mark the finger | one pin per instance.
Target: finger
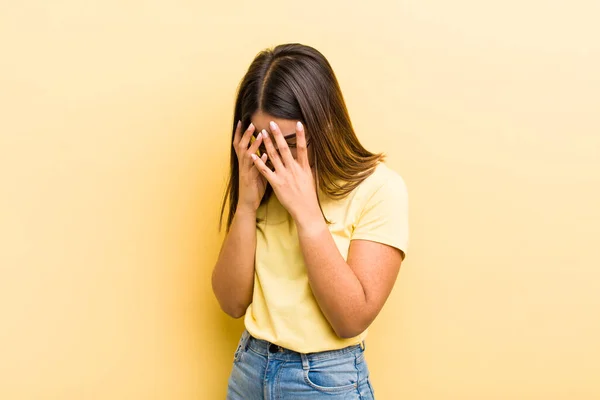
(237, 135)
(301, 146)
(263, 158)
(272, 152)
(282, 145)
(245, 140)
(263, 169)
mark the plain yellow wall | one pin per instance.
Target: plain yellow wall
(114, 143)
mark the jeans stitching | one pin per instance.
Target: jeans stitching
(278, 378)
(242, 346)
(327, 389)
(357, 376)
(371, 388)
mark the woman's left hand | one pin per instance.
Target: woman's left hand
(292, 180)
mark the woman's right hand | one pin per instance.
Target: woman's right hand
(252, 183)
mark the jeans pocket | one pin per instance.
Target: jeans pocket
(335, 375)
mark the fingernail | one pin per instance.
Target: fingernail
(238, 124)
(264, 133)
(253, 156)
(273, 126)
(251, 125)
(299, 126)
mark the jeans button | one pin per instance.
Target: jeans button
(273, 348)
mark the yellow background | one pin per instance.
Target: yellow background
(114, 143)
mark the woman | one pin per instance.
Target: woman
(316, 232)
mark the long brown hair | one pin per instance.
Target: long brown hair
(295, 81)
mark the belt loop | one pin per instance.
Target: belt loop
(305, 364)
(246, 340)
(363, 346)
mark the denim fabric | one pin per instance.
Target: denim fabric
(260, 374)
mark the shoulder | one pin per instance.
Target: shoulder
(383, 181)
(382, 209)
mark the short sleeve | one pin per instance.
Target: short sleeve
(384, 217)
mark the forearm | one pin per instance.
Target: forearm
(336, 288)
(233, 275)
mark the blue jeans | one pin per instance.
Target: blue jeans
(262, 371)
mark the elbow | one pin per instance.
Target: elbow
(353, 324)
(350, 330)
(228, 305)
(233, 309)
(236, 313)
(348, 333)
(345, 335)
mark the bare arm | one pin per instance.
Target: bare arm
(352, 293)
(233, 275)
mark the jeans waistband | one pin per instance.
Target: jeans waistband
(267, 348)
